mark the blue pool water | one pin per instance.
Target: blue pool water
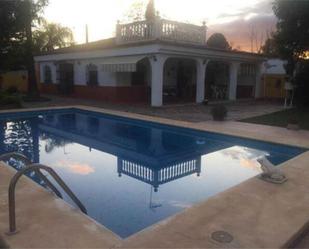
(131, 174)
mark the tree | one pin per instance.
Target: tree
(12, 37)
(139, 11)
(292, 43)
(292, 30)
(150, 13)
(270, 48)
(51, 36)
(16, 36)
(256, 39)
(219, 41)
(302, 81)
(135, 12)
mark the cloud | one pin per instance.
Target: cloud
(247, 157)
(257, 21)
(75, 167)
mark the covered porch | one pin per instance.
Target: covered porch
(172, 78)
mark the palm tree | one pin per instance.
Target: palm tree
(33, 91)
(52, 36)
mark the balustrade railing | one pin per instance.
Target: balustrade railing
(161, 29)
(160, 176)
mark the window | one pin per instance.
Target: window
(92, 75)
(47, 75)
(247, 70)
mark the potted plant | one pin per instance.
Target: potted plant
(219, 112)
(293, 124)
(205, 102)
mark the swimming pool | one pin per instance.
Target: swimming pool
(131, 174)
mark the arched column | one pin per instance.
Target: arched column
(157, 69)
(258, 80)
(201, 65)
(234, 66)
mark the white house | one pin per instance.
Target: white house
(151, 61)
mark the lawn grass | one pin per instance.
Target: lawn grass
(282, 118)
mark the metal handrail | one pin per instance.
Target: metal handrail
(27, 161)
(34, 167)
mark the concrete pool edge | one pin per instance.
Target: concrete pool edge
(143, 239)
(264, 133)
(232, 128)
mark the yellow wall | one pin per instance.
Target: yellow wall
(18, 79)
(273, 86)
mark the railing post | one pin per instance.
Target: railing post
(204, 30)
(157, 28)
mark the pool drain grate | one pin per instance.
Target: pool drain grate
(222, 237)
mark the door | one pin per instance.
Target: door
(66, 78)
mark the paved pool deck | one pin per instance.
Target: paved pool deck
(190, 112)
(256, 213)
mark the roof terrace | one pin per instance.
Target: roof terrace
(161, 29)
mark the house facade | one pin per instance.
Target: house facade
(154, 62)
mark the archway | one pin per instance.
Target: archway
(179, 80)
(142, 76)
(217, 80)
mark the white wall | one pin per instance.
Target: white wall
(80, 74)
(107, 79)
(123, 79)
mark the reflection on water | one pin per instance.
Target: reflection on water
(75, 167)
(128, 174)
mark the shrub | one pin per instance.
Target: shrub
(11, 101)
(12, 90)
(219, 112)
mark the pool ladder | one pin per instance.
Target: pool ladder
(30, 167)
